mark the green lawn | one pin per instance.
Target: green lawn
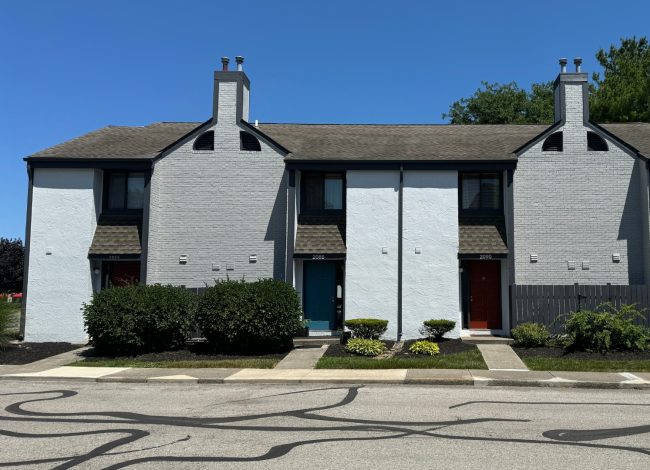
(471, 359)
(253, 363)
(586, 365)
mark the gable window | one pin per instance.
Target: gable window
(249, 142)
(322, 191)
(124, 191)
(205, 141)
(553, 143)
(596, 143)
(480, 191)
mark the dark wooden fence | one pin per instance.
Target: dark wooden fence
(549, 304)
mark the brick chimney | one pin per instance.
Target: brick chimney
(571, 94)
(231, 93)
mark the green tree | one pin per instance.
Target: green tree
(497, 103)
(622, 93)
(12, 254)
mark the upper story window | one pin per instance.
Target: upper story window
(248, 141)
(322, 191)
(480, 191)
(596, 143)
(553, 143)
(205, 141)
(124, 191)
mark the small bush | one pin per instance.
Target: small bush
(606, 329)
(531, 335)
(259, 317)
(135, 319)
(436, 329)
(6, 313)
(425, 347)
(365, 346)
(368, 328)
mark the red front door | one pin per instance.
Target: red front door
(124, 273)
(484, 294)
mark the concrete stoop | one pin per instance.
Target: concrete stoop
(487, 339)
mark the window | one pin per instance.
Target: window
(596, 143)
(553, 143)
(480, 191)
(205, 141)
(124, 191)
(322, 191)
(249, 142)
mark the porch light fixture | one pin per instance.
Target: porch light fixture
(616, 257)
(97, 271)
(533, 257)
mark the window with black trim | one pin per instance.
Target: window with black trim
(124, 191)
(480, 191)
(205, 141)
(321, 191)
(553, 143)
(596, 143)
(249, 142)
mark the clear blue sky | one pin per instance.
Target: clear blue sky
(69, 67)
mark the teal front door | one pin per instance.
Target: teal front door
(320, 294)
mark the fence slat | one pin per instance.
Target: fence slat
(547, 304)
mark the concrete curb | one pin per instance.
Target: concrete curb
(435, 377)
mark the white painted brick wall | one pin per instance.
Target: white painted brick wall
(218, 207)
(578, 206)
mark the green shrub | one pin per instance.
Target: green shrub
(606, 329)
(425, 347)
(368, 328)
(250, 317)
(531, 335)
(6, 313)
(436, 329)
(135, 319)
(365, 346)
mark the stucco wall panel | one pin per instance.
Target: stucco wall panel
(64, 217)
(430, 225)
(370, 275)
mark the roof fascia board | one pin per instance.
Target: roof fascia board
(552, 128)
(104, 163)
(268, 140)
(183, 139)
(341, 165)
(598, 129)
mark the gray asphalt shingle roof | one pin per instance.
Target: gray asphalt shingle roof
(320, 235)
(117, 235)
(350, 142)
(479, 235)
(121, 142)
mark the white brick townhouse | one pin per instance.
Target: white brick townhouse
(402, 222)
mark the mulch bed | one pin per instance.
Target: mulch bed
(24, 353)
(447, 346)
(197, 353)
(554, 352)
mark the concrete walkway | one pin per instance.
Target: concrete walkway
(302, 358)
(501, 357)
(476, 378)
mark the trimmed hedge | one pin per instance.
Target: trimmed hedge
(530, 335)
(368, 328)
(259, 317)
(136, 319)
(436, 329)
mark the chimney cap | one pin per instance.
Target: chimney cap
(240, 60)
(578, 62)
(563, 63)
(224, 63)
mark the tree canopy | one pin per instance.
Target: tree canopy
(12, 254)
(622, 94)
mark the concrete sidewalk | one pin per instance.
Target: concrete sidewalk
(477, 378)
(501, 357)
